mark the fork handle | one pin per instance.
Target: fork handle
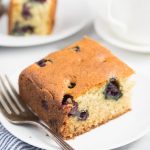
(54, 136)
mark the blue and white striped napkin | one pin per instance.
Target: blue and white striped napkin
(9, 142)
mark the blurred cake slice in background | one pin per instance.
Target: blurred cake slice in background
(28, 17)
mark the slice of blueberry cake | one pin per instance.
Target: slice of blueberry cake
(28, 17)
(78, 88)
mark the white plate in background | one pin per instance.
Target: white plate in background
(106, 33)
(71, 16)
(118, 132)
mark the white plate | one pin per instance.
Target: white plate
(105, 32)
(118, 132)
(72, 16)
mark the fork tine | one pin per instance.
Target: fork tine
(4, 106)
(9, 104)
(19, 104)
(10, 100)
(5, 110)
(11, 86)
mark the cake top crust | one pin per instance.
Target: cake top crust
(76, 69)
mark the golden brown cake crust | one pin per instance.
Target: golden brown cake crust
(92, 65)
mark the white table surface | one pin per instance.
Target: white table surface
(15, 59)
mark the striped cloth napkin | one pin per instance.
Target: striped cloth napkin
(9, 142)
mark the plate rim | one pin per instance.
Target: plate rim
(78, 29)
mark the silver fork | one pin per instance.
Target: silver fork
(17, 112)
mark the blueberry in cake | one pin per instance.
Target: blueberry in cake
(28, 17)
(78, 88)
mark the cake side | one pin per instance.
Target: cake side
(76, 115)
(31, 17)
(41, 102)
(93, 109)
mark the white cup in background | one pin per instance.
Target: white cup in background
(128, 19)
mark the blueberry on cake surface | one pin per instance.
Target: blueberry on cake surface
(28, 17)
(84, 85)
